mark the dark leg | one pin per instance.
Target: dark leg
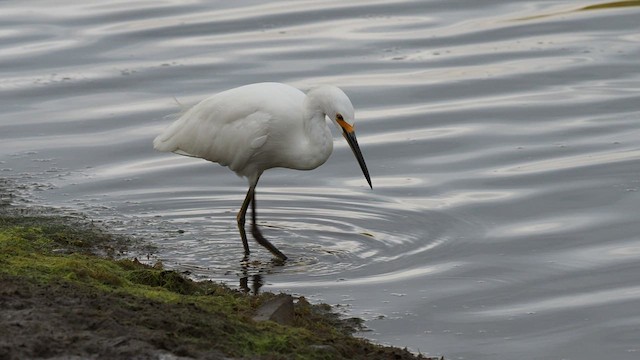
(258, 235)
(241, 216)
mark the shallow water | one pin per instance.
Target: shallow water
(503, 141)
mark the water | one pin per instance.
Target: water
(502, 139)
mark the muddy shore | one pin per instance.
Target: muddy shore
(69, 291)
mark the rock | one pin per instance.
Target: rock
(279, 309)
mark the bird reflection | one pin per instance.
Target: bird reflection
(256, 283)
(253, 274)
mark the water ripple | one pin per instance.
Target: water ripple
(502, 140)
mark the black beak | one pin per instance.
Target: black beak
(353, 143)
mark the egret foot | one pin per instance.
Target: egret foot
(255, 231)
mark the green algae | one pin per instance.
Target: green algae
(600, 6)
(610, 5)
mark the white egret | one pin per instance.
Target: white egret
(261, 126)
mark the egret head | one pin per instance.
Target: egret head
(337, 106)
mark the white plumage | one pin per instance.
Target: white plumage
(261, 126)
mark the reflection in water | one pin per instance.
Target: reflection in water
(252, 272)
(256, 283)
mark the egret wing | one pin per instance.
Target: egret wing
(210, 130)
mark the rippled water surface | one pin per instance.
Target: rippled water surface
(502, 137)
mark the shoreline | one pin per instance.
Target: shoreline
(68, 291)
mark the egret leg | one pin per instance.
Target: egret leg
(241, 217)
(258, 235)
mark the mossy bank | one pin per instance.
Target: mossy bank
(60, 299)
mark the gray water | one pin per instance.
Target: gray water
(502, 137)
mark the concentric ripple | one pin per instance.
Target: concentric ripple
(328, 237)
